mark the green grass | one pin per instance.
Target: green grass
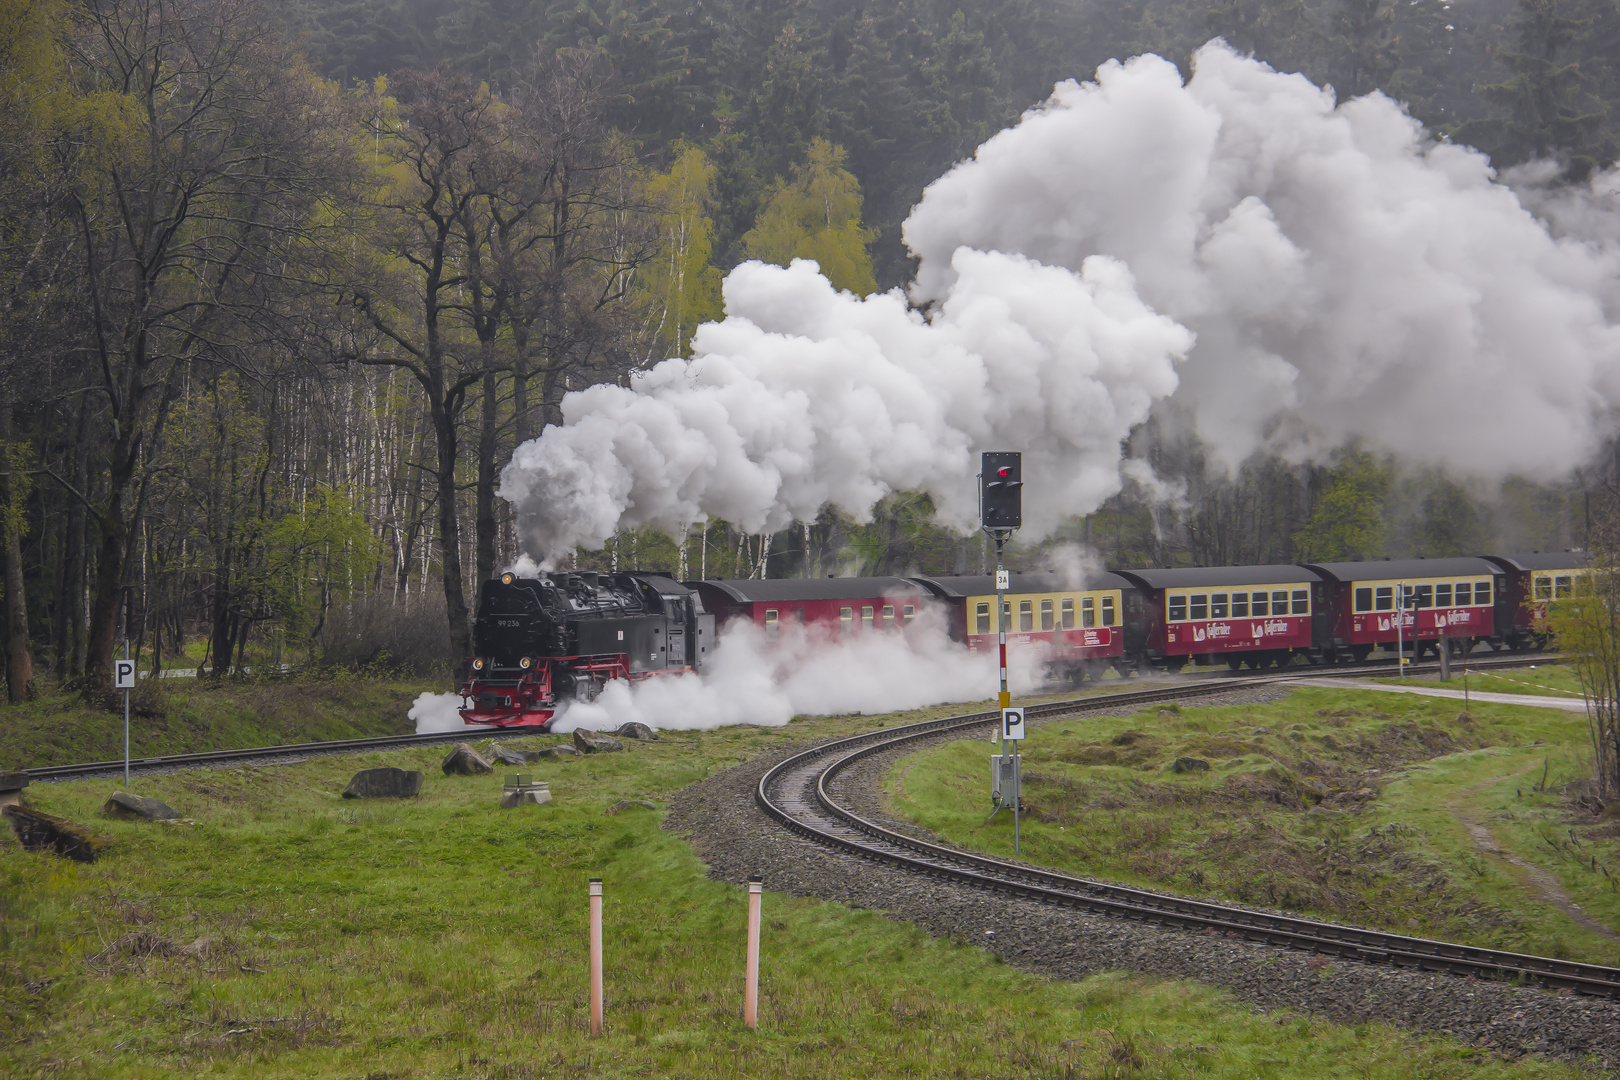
(1540, 680)
(1347, 805)
(445, 937)
(186, 715)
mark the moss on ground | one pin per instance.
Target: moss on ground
(286, 932)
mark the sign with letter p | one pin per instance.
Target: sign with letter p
(123, 674)
(1012, 723)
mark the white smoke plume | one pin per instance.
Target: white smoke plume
(1348, 277)
(751, 681)
(439, 712)
(805, 397)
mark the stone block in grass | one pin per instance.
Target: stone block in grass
(1188, 765)
(386, 783)
(465, 761)
(638, 731)
(38, 831)
(594, 742)
(131, 807)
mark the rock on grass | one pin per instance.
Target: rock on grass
(594, 742)
(465, 761)
(131, 807)
(386, 783)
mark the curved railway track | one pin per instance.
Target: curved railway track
(1216, 682)
(797, 793)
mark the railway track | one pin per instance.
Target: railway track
(1216, 680)
(798, 794)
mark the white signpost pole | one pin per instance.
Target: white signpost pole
(124, 679)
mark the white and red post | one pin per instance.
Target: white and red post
(596, 956)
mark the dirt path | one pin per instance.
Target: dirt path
(1545, 884)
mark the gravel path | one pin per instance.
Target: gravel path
(719, 817)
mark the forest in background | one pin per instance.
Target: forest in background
(284, 287)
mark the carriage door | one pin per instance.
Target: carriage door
(676, 632)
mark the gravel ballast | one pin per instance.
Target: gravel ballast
(737, 840)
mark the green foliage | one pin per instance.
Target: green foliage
(817, 215)
(683, 284)
(1347, 522)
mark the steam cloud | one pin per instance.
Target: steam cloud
(1344, 277)
(749, 681)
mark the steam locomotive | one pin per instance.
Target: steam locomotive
(541, 642)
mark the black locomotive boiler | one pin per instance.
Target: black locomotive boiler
(540, 642)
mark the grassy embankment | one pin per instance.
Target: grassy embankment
(290, 933)
(187, 715)
(1371, 808)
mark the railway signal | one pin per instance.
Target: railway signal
(1001, 510)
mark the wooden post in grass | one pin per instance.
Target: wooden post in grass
(596, 956)
(756, 888)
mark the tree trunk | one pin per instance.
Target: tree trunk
(455, 597)
(485, 520)
(19, 658)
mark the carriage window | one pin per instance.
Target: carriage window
(1482, 593)
(1302, 601)
(909, 612)
(1178, 609)
(1425, 596)
(1068, 614)
(983, 619)
(1279, 601)
(1217, 606)
(1026, 615)
(1260, 605)
(845, 617)
(1563, 588)
(1386, 598)
(1046, 614)
(1543, 588)
(1108, 611)
(866, 615)
(1200, 605)
(1464, 595)
(1240, 605)
(770, 623)
(1442, 595)
(888, 613)
(1363, 599)
(1088, 610)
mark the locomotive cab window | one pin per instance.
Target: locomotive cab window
(1363, 600)
(982, 617)
(1240, 605)
(1026, 615)
(1386, 598)
(1563, 587)
(1260, 604)
(1217, 606)
(1108, 611)
(1544, 588)
(1046, 614)
(1302, 601)
(1178, 609)
(1088, 610)
(1068, 614)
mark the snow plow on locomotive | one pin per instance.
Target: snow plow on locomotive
(542, 642)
